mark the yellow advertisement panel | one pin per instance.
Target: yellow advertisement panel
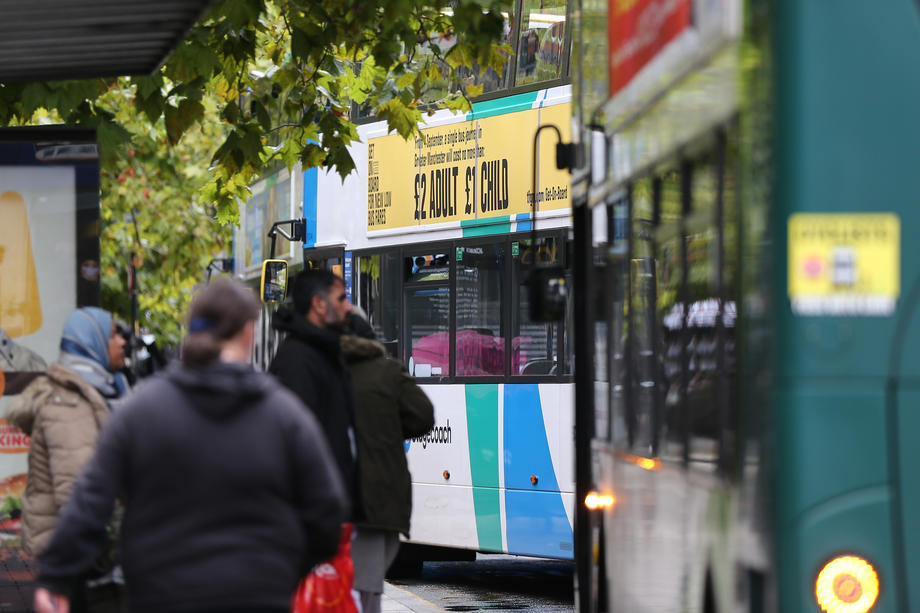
(472, 170)
(20, 307)
(844, 264)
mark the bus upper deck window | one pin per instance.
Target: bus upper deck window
(542, 41)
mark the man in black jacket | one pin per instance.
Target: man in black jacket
(309, 362)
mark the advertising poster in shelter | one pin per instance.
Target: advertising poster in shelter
(49, 265)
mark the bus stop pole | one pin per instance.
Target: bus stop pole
(582, 265)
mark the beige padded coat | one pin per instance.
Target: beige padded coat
(64, 416)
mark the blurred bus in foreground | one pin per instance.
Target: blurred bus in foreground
(747, 367)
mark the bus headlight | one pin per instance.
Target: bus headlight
(847, 584)
(595, 501)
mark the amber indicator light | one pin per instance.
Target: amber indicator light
(847, 584)
(595, 501)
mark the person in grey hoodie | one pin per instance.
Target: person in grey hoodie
(230, 491)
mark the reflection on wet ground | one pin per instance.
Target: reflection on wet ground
(496, 583)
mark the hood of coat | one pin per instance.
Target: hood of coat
(220, 390)
(21, 413)
(23, 409)
(357, 349)
(325, 339)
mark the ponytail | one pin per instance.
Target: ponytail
(217, 313)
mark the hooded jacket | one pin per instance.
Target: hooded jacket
(63, 414)
(63, 411)
(230, 494)
(389, 408)
(309, 362)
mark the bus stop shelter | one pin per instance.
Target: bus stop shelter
(49, 40)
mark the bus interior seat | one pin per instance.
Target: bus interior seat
(539, 367)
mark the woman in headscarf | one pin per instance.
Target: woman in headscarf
(63, 411)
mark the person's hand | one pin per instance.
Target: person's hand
(47, 602)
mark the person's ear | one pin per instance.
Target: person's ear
(318, 304)
(248, 335)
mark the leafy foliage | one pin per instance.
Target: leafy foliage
(256, 84)
(152, 215)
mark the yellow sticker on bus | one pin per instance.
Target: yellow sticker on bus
(465, 171)
(844, 264)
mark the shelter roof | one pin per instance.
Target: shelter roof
(46, 40)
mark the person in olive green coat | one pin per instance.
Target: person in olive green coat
(389, 408)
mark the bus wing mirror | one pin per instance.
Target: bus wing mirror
(273, 287)
(547, 291)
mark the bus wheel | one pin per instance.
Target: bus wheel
(407, 565)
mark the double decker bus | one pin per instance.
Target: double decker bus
(434, 237)
(746, 377)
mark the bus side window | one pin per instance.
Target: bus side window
(378, 295)
(480, 336)
(427, 312)
(707, 318)
(670, 316)
(534, 345)
(541, 43)
(641, 415)
(616, 289)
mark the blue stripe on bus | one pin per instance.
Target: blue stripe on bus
(310, 180)
(536, 522)
(523, 222)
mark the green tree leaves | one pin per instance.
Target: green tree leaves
(256, 84)
(181, 118)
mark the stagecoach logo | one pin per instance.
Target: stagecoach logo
(12, 439)
(439, 435)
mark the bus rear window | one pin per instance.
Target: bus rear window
(427, 268)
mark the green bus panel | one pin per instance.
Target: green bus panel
(847, 140)
(847, 136)
(908, 427)
(834, 495)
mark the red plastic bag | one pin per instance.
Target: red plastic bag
(327, 589)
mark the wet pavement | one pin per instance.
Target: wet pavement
(491, 583)
(17, 580)
(398, 600)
